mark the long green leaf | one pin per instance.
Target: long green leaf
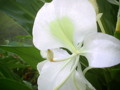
(109, 17)
(29, 54)
(7, 84)
(10, 29)
(23, 11)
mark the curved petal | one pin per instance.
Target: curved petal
(58, 22)
(42, 37)
(53, 74)
(40, 65)
(77, 81)
(58, 54)
(102, 50)
(69, 84)
(81, 13)
(82, 82)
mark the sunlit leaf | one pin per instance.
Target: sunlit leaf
(23, 11)
(10, 30)
(29, 54)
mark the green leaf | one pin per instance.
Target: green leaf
(117, 35)
(23, 11)
(29, 54)
(7, 84)
(6, 72)
(9, 29)
(117, 31)
(109, 17)
(46, 1)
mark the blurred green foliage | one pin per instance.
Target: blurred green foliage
(18, 56)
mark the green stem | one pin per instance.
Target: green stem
(86, 69)
(118, 25)
(101, 26)
(100, 23)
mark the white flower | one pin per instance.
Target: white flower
(62, 75)
(70, 24)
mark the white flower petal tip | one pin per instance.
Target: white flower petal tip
(102, 50)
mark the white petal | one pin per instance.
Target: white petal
(42, 37)
(77, 81)
(61, 20)
(102, 50)
(40, 65)
(81, 13)
(70, 84)
(60, 54)
(53, 73)
(82, 82)
(43, 53)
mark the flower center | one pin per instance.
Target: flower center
(63, 30)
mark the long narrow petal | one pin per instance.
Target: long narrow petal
(82, 82)
(77, 81)
(70, 84)
(102, 50)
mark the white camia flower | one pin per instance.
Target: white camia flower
(70, 24)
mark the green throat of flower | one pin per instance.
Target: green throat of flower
(63, 30)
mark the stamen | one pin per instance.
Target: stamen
(50, 55)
